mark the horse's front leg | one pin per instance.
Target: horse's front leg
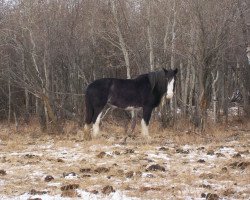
(145, 120)
(133, 120)
(96, 125)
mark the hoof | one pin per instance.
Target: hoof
(147, 137)
(87, 137)
(86, 128)
(87, 133)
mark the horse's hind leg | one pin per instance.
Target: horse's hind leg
(88, 116)
(96, 121)
(133, 120)
(145, 121)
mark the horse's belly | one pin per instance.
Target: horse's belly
(132, 108)
(124, 105)
(125, 100)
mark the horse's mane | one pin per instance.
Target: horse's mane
(158, 80)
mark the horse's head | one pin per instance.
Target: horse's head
(170, 76)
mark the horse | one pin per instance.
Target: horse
(144, 91)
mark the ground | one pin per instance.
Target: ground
(174, 164)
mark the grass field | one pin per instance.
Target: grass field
(174, 164)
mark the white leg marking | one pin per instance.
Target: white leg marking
(132, 113)
(144, 128)
(86, 127)
(170, 89)
(96, 126)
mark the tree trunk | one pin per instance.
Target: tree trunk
(165, 40)
(202, 104)
(225, 88)
(9, 101)
(16, 120)
(172, 111)
(173, 37)
(192, 86)
(150, 37)
(41, 114)
(215, 96)
(121, 39)
(27, 106)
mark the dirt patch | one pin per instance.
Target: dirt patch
(2, 172)
(48, 178)
(107, 190)
(156, 167)
(70, 187)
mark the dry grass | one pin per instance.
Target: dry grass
(29, 155)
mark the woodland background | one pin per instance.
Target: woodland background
(50, 50)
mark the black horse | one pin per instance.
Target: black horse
(144, 92)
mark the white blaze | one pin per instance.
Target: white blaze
(96, 125)
(170, 89)
(144, 128)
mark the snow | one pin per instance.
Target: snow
(1, 182)
(118, 195)
(180, 168)
(54, 184)
(227, 150)
(25, 153)
(71, 176)
(159, 156)
(26, 196)
(146, 175)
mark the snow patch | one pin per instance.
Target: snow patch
(158, 156)
(1, 182)
(227, 150)
(118, 195)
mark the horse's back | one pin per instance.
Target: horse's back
(104, 84)
(100, 83)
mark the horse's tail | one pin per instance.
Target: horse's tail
(89, 110)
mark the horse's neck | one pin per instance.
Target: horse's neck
(157, 79)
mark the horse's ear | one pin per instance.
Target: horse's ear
(175, 71)
(166, 71)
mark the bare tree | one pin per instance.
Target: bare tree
(150, 36)
(121, 38)
(51, 50)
